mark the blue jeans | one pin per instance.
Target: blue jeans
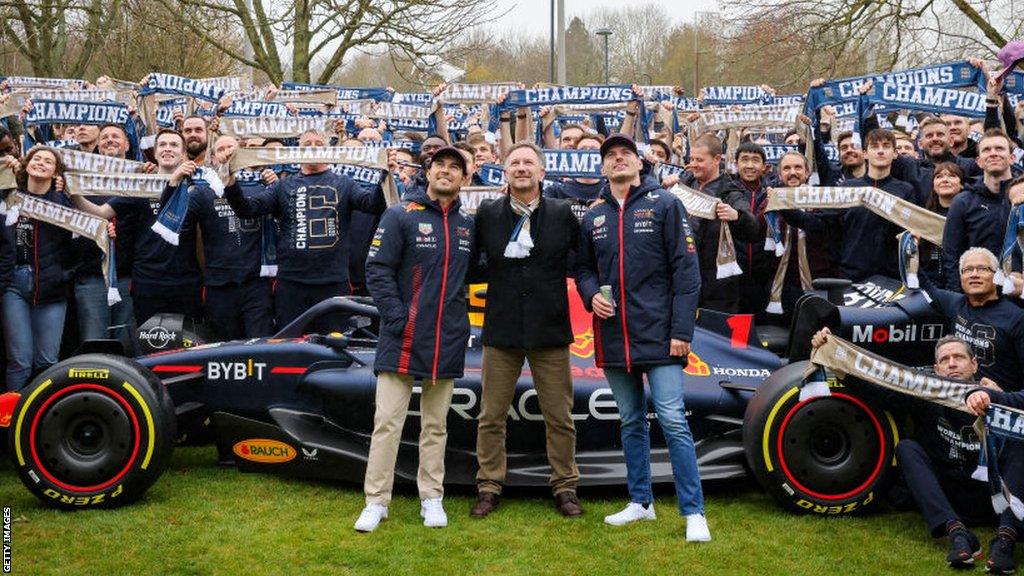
(666, 384)
(98, 320)
(33, 333)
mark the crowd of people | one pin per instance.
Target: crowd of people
(244, 251)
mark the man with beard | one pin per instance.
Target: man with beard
(238, 302)
(525, 242)
(193, 129)
(977, 217)
(851, 155)
(732, 210)
(933, 138)
(794, 170)
(416, 273)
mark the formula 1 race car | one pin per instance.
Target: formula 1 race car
(97, 429)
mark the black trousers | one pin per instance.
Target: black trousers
(149, 299)
(291, 299)
(240, 311)
(945, 493)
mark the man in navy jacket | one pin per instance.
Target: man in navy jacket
(648, 327)
(416, 273)
(977, 217)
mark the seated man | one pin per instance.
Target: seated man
(937, 463)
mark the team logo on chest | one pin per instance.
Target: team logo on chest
(426, 227)
(599, 221)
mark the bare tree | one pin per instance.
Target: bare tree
(323, 33)
(876, 34)
(57, 37)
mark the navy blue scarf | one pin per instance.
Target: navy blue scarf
(48, 112)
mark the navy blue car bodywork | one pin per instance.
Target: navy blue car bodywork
(302, 405)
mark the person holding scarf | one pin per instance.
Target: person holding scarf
(35, 301)
(752, 178)
(647, 325)
(869, 243)
(732, 210)
(313, 209)
(977, 218)
(238, 303)
(96, 318)
(580, 192)
(416, 272)
(165, 277)
(940, 456)
(526, 242)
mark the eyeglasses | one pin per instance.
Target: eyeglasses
(979, 269)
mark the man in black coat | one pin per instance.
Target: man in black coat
(525, 242)
(722, 294)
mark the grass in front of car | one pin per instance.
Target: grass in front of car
(201, 519)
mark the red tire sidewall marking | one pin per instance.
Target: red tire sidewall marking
(874, 473)
(42, 410)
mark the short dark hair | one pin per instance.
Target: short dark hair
(880, 136)
(751, 148)
(844, 135)
(197, 116)
(663, 145)
(163, 131)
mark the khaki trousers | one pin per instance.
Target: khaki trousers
(393, 394)
(552, 378)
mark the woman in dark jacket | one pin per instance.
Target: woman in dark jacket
(35, 300)
(947, 182)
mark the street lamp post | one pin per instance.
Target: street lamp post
(605, 33)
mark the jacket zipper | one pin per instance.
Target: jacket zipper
(622, 283)
(444, 287)
(35, 260)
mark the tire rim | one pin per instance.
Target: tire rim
(831, 447)
(84, 438)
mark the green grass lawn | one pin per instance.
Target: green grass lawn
(201, 519)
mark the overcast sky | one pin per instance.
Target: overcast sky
(535, 15)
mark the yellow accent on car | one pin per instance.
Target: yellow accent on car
(768, 425)
(149, 423)
(21, 416)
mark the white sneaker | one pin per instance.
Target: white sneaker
(697, 528)
(433, 513)
(370, 517)
(631, 513)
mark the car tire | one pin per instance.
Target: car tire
(827, 455)
(93, 431)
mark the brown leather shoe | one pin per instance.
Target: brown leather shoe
(567, 504)
(486, 502)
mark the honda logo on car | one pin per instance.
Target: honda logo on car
(893, 333)
(265, 451)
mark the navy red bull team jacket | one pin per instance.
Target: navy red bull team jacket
(655, 285)
(416, 273)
